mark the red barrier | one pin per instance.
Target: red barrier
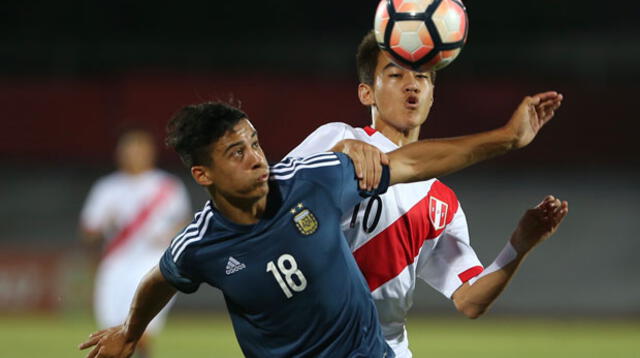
(75, 120)
(30, 281)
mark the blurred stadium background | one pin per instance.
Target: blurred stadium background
(72, 73)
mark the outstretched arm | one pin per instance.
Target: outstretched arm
(152, 295)
(474, 297)
(426, 159)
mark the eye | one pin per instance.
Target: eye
(238, 152)
(421, 75)
(255, 145)
(395, 75)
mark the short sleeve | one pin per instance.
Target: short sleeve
(349, 191)
(175, 273)
(321, 140)
(453, 261)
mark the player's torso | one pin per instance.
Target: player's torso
(290, 274)
(141, 201)
(388, 233)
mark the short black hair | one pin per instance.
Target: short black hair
(194, 128)
(367, 59)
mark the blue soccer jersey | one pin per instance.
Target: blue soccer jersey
(290, 282)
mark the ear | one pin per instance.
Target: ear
(201, 175)
(365, 93)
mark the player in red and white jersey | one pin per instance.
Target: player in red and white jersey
(133, 212)
(419, 230)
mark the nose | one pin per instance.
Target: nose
(257, 159)
(412, 84)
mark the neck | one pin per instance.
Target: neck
(239, 210)
(399, 136)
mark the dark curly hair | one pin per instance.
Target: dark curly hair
(193, 129)
(367, 59)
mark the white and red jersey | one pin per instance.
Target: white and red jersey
(413, 230)
(138, 215)
(141, 211)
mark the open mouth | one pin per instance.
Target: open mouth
(412, 102)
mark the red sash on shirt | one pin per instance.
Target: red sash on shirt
(140, 219)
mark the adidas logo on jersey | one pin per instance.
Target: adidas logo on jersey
(234, 266)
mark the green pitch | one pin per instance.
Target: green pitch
(211, 336)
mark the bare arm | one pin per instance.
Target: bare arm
(473, 298)
(431, 158)
(152, 295)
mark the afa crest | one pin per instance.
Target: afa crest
(304, 219)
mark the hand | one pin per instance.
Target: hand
(539, 223)
(533, 113)
(367, 160)
(109, 343)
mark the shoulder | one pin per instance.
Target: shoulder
(443, 198)
(337, 128)
(313, 166)
(108, 182)
(192, 233)
(169, 178)
(442, 190)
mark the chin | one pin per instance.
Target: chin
(261, 191)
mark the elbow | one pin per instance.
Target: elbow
(472, 311)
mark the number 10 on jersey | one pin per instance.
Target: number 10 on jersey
(288, 267)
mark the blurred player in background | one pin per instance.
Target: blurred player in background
(419, 229)
(133, 212)
(270, 237)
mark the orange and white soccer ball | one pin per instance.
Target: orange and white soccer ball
(421, 35)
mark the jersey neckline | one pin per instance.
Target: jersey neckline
(369, 130)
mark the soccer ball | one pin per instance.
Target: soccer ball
(421, 35)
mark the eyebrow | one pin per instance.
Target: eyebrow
(390, 64)
(240, 142)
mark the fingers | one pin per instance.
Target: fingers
(94, 353)
(553, 209)
(367, 162)
(384, 159)
(94, 338)
(545, 96)
(561, 212)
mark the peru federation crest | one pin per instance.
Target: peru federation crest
(304, 219)
(438, 213)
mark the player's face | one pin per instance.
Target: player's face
(135, 153)
(400, 97)
(239, 168)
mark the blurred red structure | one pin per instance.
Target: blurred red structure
(73, 121)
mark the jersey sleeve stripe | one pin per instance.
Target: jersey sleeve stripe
(190, 227)
(289, 161)
(307, 166)
(470, 273)
(187, 232)
(297, 162)
(191, 230)
(186, 243)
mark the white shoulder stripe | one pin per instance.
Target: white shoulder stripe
(291, 162)
(285, 176)
(304, 161)
(190, 227)
(197, 238)
(190, 230)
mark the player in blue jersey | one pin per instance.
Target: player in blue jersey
(270, 238)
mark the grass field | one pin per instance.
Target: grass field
(212, 336)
